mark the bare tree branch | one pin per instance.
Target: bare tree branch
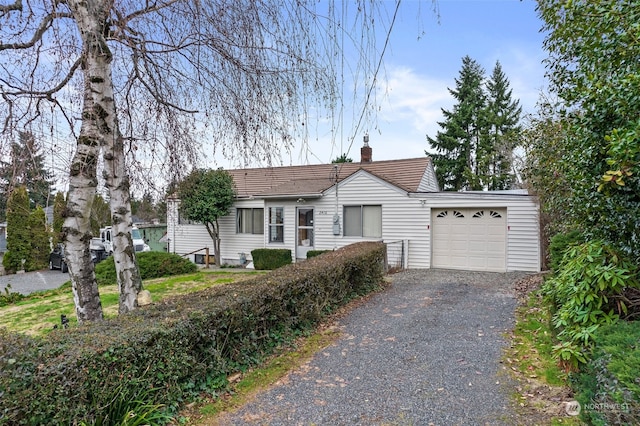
(45, 24)
(4, 9)
(17, 91)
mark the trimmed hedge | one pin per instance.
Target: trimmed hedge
(165, 354)
(152, 264)
(270, 259)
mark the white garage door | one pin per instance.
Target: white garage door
(469, 239)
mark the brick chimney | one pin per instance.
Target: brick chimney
(366, 152)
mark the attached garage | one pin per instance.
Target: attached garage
(469, 238)
(495, 231)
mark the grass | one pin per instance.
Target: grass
(37, 314)
(542, 385)
(536, 341)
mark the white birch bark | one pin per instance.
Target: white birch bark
(96, 123)
(99, 129)
(124, 256)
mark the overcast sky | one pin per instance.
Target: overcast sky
(422, 61)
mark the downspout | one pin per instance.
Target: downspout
(336, 216)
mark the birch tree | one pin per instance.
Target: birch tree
(140, 86)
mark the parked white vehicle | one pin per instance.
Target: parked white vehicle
(138, 241)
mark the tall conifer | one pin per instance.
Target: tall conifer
(503, 118)
(457, 142)
(474, 149)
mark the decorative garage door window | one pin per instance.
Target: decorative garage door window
(494, 214)
(455, 213)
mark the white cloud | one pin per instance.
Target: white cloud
(415, 100)
(525, 71)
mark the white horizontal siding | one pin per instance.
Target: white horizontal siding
(187, 238)
(403, 218)
(523, 237)
(429, 182)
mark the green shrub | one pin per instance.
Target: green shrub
(607, 387)
(167, 353)
(581, 294)
(559, 245)
(270, 259)
(314, 253)
(152, 264)
(9, 297)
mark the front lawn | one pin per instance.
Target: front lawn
(37, 314)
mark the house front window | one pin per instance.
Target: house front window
(363, 221)
(276, 224)
(250, 221)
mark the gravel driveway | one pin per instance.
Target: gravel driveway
(424, 352)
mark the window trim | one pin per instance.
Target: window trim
(251, 220)
(274, 225)
(345, 226)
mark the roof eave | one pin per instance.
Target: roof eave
(288, 196)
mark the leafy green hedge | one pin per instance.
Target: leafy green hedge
(152, 264)
(559, 244)
(270, 259)
(608, 386)
(585, 295)
(166, 353)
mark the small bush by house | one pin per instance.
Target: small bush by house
(270, 259)
(152, 264)
(314, 253)
(164, 354)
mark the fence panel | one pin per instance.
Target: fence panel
(395, 255)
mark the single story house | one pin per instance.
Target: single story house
(327, 206)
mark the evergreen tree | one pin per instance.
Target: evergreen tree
(474, 149)
(205, 196)
(495, 155)
(59, 206)
(18, 246)
(26, 167)
(38, 241)
(457, 143)
(161, 211)
(144, 209)
(342, 159)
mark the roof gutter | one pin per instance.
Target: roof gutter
(285, 196)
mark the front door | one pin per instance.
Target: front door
(305, 232)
